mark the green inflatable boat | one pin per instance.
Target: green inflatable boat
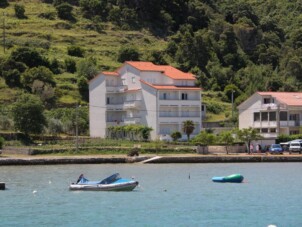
(234, 178)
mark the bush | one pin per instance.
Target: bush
(48, 15)
(128, 54)
(20, 11)
(70, 65)
(75, 51)
(1, 142)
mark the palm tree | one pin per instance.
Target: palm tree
(188, 127)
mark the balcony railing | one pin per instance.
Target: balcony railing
(132, 120)
(258, 124)
(132, 104)
(118, 89)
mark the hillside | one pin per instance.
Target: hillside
(230, 45)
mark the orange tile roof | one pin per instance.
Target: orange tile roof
(111, 73)
(165, 69)
(171, 87)
(288, 98)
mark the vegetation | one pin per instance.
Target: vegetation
(234, 48)
(188, 128)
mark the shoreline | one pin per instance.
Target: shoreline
(152, 159)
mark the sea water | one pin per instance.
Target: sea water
(168, 195)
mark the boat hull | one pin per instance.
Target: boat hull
(235, 178)
(127, 186)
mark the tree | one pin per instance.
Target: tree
(127, 53)
(188, 128)
(40, 73)
(75, 51)
(87, 68)
(28, 114)
(30, 57)
(20, 11)
(3, 3)
(175, 135)
(227, 138)
(205, 138)
(247, 135)
(65, 11)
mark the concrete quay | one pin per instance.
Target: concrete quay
(150, 159)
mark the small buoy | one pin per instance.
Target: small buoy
(49, 182)
(271, 226)
(34, 191)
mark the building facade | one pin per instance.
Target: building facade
(158, 96)
(272, 113)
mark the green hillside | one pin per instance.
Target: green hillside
(52, 48)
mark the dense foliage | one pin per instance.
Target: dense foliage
(235, 47)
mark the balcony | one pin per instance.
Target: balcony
(267, 124)
(132, 120)
(134, 104)
(116, 89)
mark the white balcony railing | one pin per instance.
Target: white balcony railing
(117, 89)
(132, 104)
(132, 120)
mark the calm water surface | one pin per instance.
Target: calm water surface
(168, 195)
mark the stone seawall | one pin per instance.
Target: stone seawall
(158, 160)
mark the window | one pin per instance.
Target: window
(184, 96)
(293, 117)
(108, 100)
(124, 82)
(283, 116)
(268, 100)
(133, 80)
(264, 116)
(272, 116)
(165, 96)
(264, 130)
(273, 130)
(256, 116)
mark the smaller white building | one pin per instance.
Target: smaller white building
(272, 113)
(158, 96)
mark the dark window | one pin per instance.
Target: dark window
(165, 96)
(264, 130)
(272, 116)
(273, 130)
(256, 116)
(264, 116)
(283, 116)
(266, 100)
(184, 96)
(108, 100)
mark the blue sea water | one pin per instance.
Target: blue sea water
(168, 195)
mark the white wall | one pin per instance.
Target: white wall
(97, 104)
(149, 109)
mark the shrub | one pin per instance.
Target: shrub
(48, 15)
(75, 51)
(70, 65)
(20, 11)
(1, 142)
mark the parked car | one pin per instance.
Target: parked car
(276, 149)
(295, 147)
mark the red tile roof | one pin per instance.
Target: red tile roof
(165, 69)
(110, 73)
(288, 98)
(171, 87)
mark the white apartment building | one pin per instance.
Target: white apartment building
(273, 113)
(158, 96)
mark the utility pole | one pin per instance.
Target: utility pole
(4, 32)
(278, 119)
(233, 105)
(77, 128)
